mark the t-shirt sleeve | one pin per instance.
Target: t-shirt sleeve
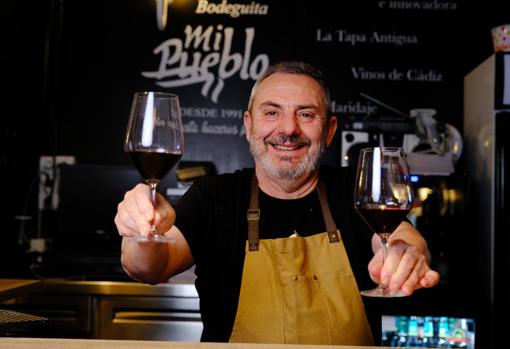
(192, 216)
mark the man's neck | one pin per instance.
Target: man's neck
(287, 188)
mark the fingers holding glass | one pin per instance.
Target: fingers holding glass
(155, 143)
(383, 198)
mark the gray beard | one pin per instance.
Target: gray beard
(308, 165)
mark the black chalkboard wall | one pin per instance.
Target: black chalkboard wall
(408, 54)
(70, 68)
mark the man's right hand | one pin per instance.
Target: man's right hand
(150, 262)
(136, 213)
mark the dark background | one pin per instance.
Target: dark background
(70, 68)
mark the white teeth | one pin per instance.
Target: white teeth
(284, 147)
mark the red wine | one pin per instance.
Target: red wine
(383, 221)
(153, 165)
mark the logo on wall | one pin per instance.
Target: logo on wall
(232, 9)
(205, 7)
(205, 57)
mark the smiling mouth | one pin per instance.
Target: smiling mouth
(287, 143)
(284, 147)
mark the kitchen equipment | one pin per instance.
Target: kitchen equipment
(486, 130)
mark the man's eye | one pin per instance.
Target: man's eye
(307, 115)
(271, 113)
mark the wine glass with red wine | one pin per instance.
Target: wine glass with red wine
(383, 197)
(154, 141)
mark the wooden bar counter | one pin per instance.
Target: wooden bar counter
(39, 343)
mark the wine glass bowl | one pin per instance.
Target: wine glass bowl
(383, 197)
(154, 142)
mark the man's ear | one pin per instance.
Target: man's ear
(332, 125)
(247, 124)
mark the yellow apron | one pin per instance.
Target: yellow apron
(299, 289)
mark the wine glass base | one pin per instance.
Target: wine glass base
(152, 238)
(382, 292)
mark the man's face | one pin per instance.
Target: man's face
(286, 127)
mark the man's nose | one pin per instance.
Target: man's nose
(289, 125)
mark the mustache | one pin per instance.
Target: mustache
(293, 139)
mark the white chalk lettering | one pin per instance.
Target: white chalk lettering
(353, 108)
(435, 5)
(349, 37)
(211, 113)
(232, 113)
(361, 73)
(393, 38)
(353, 38)
(323, 36)
(190, 127)
(194, 60)
(219, 129)
(234, 10)
(424, 75)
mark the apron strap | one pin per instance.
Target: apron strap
(326, 213)
(253, 216)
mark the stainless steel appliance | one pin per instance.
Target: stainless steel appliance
(115, 310)
(361, 132)
(487, 150)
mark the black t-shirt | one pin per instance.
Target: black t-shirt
(212, 217)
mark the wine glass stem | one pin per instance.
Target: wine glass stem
(384, 241)
(153, 185)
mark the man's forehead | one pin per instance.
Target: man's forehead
(280, 87)
(286, 78)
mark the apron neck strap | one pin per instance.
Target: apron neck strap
(253, 214)
(326, 212)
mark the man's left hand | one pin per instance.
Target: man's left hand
(405, 268)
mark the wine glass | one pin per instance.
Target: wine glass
(155, 142)
(383, 197)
